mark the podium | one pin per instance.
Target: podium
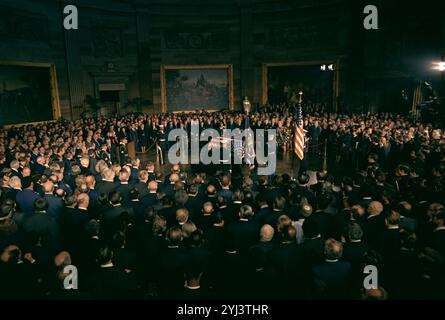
(131, 148)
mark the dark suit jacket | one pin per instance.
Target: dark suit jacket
(241, 235)
(373, 228)
(438, 241)
(25, 200)
(215, 237)
(111, 219)
(142, 188)
(227, 194)
(324, 221)
(112, 283)
(171, 266)
(124, 189)
(149, 200)
(105, 187)
(55, 205)
(43, 225)
(390, 243)
(332, 280)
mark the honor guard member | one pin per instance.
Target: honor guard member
(123, 152)
(105, 155)
(162, 140)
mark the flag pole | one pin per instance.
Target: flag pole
(298, 163)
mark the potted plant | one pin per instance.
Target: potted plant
(93, 104)
(137, 104)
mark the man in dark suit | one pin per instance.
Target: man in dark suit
(169, 188)
(112, 215)
(25, 198)
(109, 282)
(107, 184)
(15, 187)
(134, 176)
(55, 203)
(124, 186)
(278, 206)
(216, 234)
(15, 169)
(438, 236)
(373, 225)
(74, 222)
(263, 209)
(225, 189)
(242, 234)
(304, 190)
(171, 264)
(142, 184)
(313, 244)
(234, 207)
(286, 259)
(151, 198)
(41, 224)
(354, 251)
(332, 278)
(390, 240)
(135, 203)
(323, 219)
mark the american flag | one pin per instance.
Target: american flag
(299, 133)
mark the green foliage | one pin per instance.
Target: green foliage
(93, 104)
(137, 103)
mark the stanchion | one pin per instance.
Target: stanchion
(325, 158)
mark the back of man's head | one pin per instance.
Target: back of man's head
(393, 218)
(114, 197)
(174, 236)
(40, 205)
(152, 186)
(333, 249)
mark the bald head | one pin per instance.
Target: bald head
(174, 178)
(124, 176)
(182, 215)
(90, 181)
(48, 187)
(152, 186)
(375, 208)
(207, 208)
(333, 249)
(83, 200)
(62, 259)
(26, 172)
(176, 168)
(266, 233)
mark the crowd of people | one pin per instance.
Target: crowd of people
(71, 195)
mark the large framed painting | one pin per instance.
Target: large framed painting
(283, 81)
(189, 88)
(28, 93)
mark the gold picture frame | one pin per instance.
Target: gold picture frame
(335, 84)
(228, 67)
(55, 101)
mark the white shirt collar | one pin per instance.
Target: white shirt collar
(107, 265)
(193, 288)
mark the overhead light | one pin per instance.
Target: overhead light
(323, 67)
(331, 67)
(439, 66)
